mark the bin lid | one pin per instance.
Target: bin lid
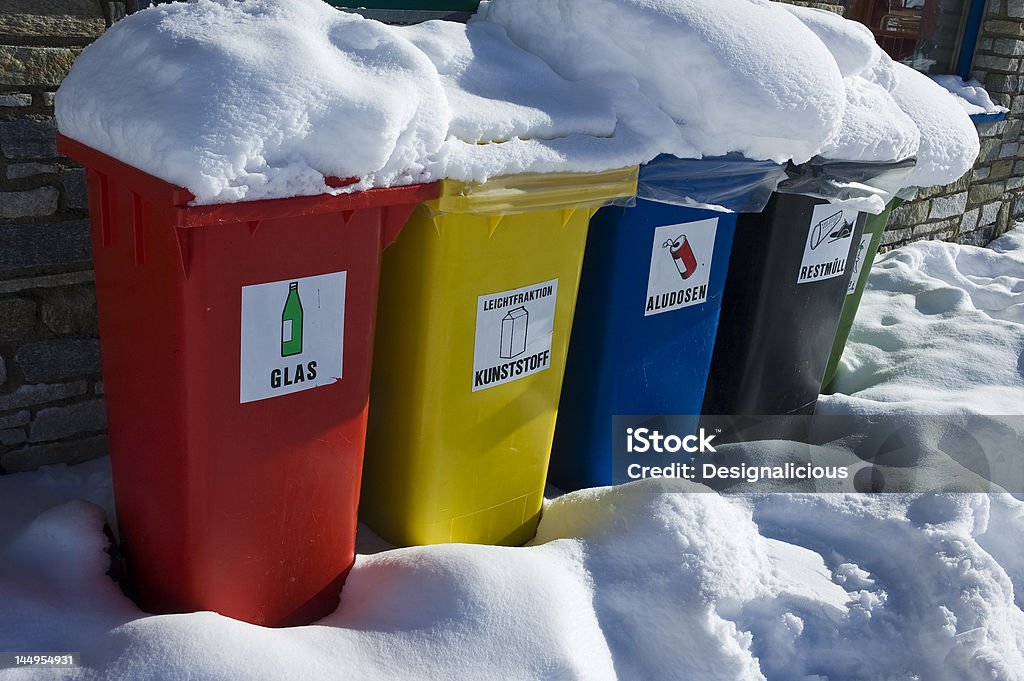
(837, 181)
(732, 183)
(537, 191)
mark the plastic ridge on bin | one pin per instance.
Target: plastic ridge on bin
(236, 435)
(515, 194)
(481, 280)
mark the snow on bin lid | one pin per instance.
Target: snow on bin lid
(945, 141)
(265, 98)
(511, 114)
(949, 140)
(736, 75)
(874, 128)
(254, 100)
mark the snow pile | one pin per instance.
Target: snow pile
(973, 96)
(265, 98)
(735, 75)
(637, 582)
(949, 140)
(510, 113)
(255, 99)
(654, 580)
(767, 80)
(930, 312)
(874, 128)
(940, 331)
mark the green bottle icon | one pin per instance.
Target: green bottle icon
(291, 323)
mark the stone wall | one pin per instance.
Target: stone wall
(990, 199)
(51, 393)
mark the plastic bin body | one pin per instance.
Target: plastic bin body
(630, 353)
(246, 508)
(775, 333)
(867, 250)
(457, 451)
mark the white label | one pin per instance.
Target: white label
(680, 266)
(828, 244)
(858, 263)
(513, 334)
(292, 335)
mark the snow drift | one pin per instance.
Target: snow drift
(654, 580)
(266, 98)
(255, 99)
(735, 75)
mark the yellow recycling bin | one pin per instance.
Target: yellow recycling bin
(476, 304)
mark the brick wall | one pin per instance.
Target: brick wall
(51, 393)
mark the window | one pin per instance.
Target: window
(925, 34)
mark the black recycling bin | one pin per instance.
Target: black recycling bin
(784, 294)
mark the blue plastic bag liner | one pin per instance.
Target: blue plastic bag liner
(730, 183)
(836, 181)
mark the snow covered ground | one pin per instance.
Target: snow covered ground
(641, 582)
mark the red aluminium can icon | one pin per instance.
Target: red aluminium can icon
(682, 256)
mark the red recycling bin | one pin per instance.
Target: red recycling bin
(236, 343)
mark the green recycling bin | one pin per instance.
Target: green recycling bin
(865, 258)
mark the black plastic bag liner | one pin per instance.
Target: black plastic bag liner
(833, 181)
(734, 183)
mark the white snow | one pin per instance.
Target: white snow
(874, 128)
(510, 113)
(266, 98)
(255, 99)
(735, 75)
(973, 96)
(930, 310)
(635, 582)
(949, 140)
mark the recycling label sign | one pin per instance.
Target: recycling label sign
(680, 266)
(513, 334)
(292, 335)
(829, 238)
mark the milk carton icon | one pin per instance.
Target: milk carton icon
(513, 332)
(682, 255)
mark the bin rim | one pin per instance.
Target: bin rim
(178, 198)
(731, 183)
(528, 192)
(838, 181)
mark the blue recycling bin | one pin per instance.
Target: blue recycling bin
(648, 305)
